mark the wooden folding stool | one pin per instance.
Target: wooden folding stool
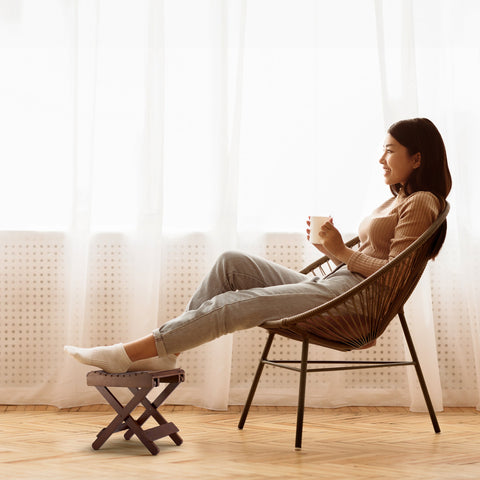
(140, 384)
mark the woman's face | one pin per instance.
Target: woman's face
(397, 163)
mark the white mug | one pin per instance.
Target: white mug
(315, 224)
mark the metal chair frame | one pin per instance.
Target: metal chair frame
(408, 266)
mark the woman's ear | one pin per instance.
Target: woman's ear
(417, 160)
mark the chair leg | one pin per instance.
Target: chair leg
(301, 395)
(256, 379)
(420, 376)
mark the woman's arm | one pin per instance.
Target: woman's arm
(415, 215)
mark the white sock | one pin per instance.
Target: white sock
(156, 363)
(112, 358)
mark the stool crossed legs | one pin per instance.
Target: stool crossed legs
(140, 385)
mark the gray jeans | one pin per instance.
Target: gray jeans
(243, 291)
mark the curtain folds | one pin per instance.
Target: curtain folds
(143, 138)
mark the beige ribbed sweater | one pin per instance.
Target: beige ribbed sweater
(391, 228)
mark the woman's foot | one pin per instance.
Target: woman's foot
(114, 359)
(111, 359)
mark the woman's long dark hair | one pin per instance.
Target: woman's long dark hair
(420, 135)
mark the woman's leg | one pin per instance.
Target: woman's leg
(224, 313)
(242, 309)
(238, 271)
(231, 272)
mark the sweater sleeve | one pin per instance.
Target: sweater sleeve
(415, 215)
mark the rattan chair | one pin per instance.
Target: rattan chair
(353, 320)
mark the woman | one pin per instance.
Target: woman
(243, 291)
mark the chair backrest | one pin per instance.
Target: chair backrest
(360, 315)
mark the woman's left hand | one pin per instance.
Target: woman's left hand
(332, 239)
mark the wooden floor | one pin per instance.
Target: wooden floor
(345, 443)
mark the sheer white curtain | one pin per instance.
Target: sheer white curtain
(141, 139)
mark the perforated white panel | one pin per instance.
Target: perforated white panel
(109, 294)
(455, 331)
(34, 309)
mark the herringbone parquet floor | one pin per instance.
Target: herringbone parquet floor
(345, 443)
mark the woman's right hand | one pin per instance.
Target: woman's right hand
(320, 246)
